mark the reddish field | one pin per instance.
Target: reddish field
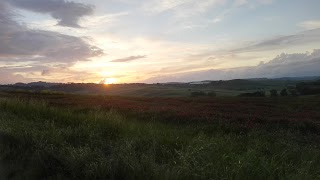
(248, 111)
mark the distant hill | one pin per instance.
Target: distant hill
(39, 84)
(222, 87)
(307, 78)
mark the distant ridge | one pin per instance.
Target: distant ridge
(39, 83)
(303, 78)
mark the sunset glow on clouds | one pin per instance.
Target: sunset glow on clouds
(157, 40)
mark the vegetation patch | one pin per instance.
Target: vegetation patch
(41, 141)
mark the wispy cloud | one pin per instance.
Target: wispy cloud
(98, 21)
(266, 1)
(237, 4)
(252, 3)
(240, 2)
(313, 24)
(302, 38)
(181, 8)
(128, 59)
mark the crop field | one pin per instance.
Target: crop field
(304, 109)
(65, 136)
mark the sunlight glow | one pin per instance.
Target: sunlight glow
(110, 81)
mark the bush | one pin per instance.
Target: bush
(51, 92)
(284, 92)
(201, 93)
(273, 93)
(212, 94)
(254, 94)
(198, 93)
(308, 88)
(293, 92)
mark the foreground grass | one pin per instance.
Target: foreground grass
(42, 142)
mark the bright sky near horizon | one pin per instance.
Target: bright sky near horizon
(124, 41)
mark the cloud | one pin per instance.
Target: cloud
(217, 19)
(8, 77)
(45, 46)
(66, 12)
(182, 8)
(310, 24)
(284, 65)
(245, 2)
(57, 73)
(302, 38)
(19, 43)
(266, 1)
(45, 72)
(25, 52)
(130, 58)
(240, 2)
(99, 21)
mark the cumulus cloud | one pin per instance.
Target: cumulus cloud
(284, 65)
(130, 58)
(66, 12)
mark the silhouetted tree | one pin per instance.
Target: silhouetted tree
(254, 94)
(293, 92)
(212, 94)
(198, 93)
(273, 93)
(308, 88)
(284, 92)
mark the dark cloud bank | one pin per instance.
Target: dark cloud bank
(284, 65)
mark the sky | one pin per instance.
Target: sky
(151, 41)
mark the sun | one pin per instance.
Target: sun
(110, 81)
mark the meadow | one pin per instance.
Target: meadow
(68, 136)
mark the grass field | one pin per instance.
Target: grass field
(108, 137)
(165, 91)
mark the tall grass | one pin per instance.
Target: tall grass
(42, 142)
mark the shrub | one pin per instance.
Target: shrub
(308, 88)
(273, 93)
(198, 93)
(254, 94)
(212, 94)
(284, 92)
(51, 92)
(293, 92)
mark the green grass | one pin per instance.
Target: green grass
(38, 141)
